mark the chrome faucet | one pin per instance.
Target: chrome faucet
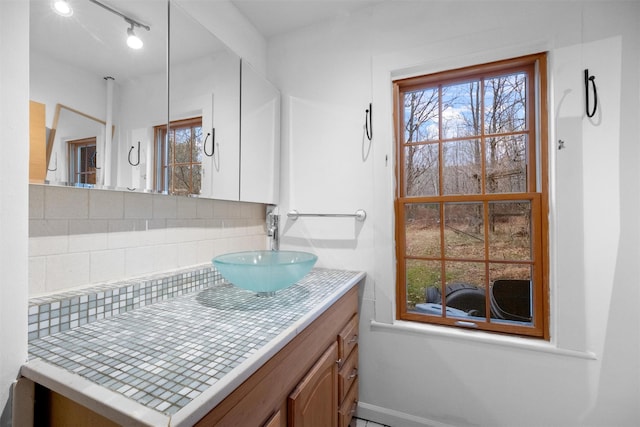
(273, 223)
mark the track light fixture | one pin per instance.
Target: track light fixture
(133, 41)
(62, 8)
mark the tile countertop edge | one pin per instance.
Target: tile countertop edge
(117, 407)
(209, 399)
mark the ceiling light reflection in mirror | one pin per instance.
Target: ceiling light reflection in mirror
(62, 8)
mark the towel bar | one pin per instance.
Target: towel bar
(360, 215)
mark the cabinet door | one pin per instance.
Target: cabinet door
(205, 81)
(314, 402)
(223, 146)
(259, 138)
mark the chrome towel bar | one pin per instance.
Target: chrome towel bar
(360, 215)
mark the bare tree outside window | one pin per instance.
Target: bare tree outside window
(179, 157)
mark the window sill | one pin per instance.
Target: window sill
(482, 337)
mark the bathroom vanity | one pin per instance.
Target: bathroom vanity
(215, 356)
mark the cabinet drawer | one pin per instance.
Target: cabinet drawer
(348, 338)
(348, 408)
(348, 374)
(275, 420)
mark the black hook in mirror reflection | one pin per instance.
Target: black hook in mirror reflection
(94, 160)
(213, 143)
(368, 122)
(587, 79)
(130, 150)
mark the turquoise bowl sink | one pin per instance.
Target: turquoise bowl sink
(264, 272)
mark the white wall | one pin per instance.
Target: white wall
(588, 374)
(14, 155)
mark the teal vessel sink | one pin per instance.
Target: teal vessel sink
(264, 272)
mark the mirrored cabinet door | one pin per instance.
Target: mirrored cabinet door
(204, 109)
(260, 138)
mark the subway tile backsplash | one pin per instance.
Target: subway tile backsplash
(65, 310)
(80, 237)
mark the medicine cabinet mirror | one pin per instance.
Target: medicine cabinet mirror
(104, 91)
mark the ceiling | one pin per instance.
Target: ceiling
(93, 38)
(273, 17)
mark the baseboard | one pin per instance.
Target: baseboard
(394, 418)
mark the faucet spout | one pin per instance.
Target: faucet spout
(273, 223)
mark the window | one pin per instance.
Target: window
(179, 157)
(82, 161)
(471, 207)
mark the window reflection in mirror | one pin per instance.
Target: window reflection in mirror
(82, 161)
(204, 82)
(178, 162)
(73, 144)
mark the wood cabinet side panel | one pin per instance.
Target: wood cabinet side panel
(55, 410)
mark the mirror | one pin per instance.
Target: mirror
(77, 137)
(204, 109)
(111, 104)
(87, 77)
(260, 142)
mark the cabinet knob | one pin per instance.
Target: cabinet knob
(353, 374)
(354, 339)
(354, 407)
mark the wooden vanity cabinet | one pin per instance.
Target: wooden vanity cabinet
(303, 379)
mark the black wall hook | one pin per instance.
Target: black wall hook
(130, 150)
(587, 79)
(368, 122)
(213, 143)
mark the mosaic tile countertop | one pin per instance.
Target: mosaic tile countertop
(171, 362)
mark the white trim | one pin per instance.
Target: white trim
(391, 417)
(529, 344)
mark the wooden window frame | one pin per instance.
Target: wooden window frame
(537, 193)
(88, 171)
(160, 161)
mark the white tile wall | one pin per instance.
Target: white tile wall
(80, 237)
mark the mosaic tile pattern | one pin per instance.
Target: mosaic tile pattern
(66, 310)
(164, 355)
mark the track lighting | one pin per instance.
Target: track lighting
(133, 41)
(62, 8)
